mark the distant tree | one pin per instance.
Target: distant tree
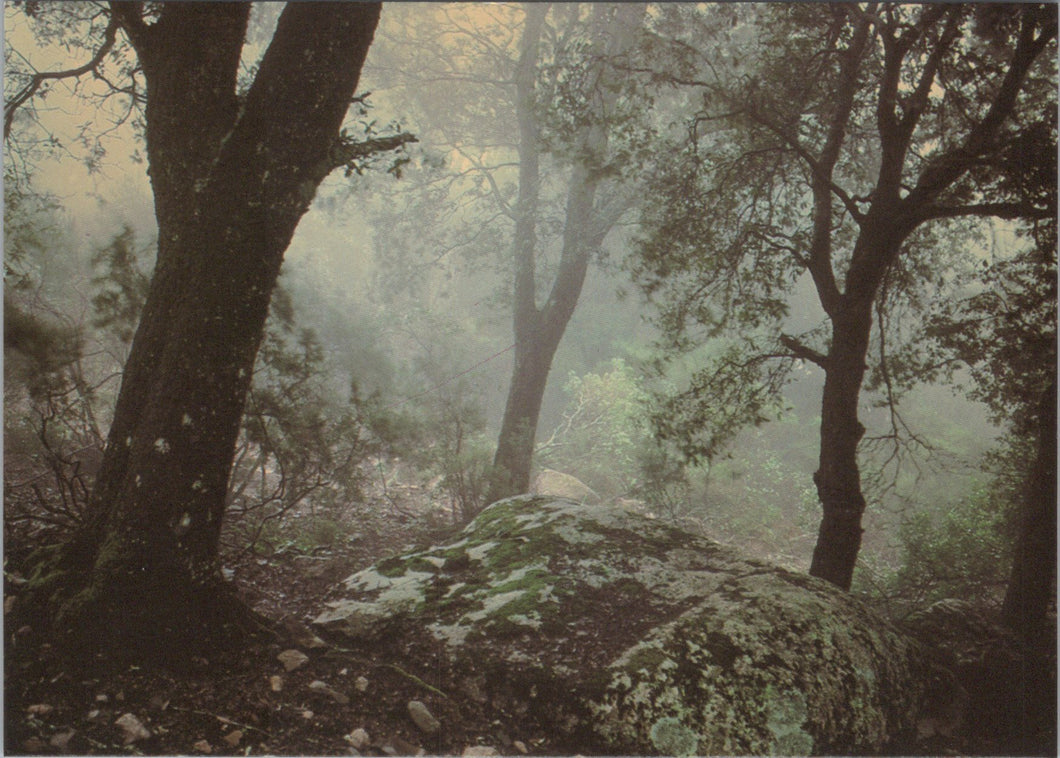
(835, 141)
(538, 129)
(232, 174)
(539, 328)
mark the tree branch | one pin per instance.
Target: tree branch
(37, 80)
(804, 352)
(821, 172)
(347, 152)
(130, 16)
(1006, 210)
(947, 168)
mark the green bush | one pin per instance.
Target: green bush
(604, 434)
(963, 551)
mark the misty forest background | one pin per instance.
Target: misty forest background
(388, 353)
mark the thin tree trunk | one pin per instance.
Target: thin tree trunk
(538, 331)
(838, 477)
(515, 446)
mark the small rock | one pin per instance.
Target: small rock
(479, 751)
(133, 728)
(159, 702)
(40, 709)
(361, 684)
(9, 603)
(102, 698)
(292, 659)
(61, 740)
(474, 691)
(203, 746)
(520, 746)
(311, 566)
(358, 739)
(423, 718)
(308, 715)
(232, 738)
(24, 630)
(403, 747)
(318, 687)
(276, 683)
(302, 635)
(34, 745)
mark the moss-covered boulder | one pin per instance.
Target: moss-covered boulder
(623, 634)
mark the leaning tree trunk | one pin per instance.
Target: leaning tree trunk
(231, 181)
(515, 445)
(538, 330)
(1032, 585)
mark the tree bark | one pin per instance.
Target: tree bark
(1032, 587)
(892, 217)
(231, 179)
(538, 331)
(838, 478)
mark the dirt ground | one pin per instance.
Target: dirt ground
(335, 702)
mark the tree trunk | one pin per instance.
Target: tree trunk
(230, 185)
(515, 445)
(538, 331)
(1032, 587)
(838, 477)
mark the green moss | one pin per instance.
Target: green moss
(646, 659)
(392, 567)
(671, 737)
(627, 586)
(786, 716)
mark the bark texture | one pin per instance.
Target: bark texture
(231, 178)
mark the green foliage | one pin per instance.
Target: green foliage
(962, 551)
(442, 429)
(53, 434)
(1005, 334)
(301, 444)
(603, 431)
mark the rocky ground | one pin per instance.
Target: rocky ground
(301, 696)
(290, 698)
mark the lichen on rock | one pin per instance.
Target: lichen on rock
(628, 635)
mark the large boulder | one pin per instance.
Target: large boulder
(622, 634)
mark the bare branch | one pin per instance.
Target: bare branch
(38, 79)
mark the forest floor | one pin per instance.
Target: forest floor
(332, 703)
(266, 700)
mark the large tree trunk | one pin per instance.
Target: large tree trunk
(838, 477)
(230, 185)
(1032, 587)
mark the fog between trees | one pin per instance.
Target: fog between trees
(393, 329)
